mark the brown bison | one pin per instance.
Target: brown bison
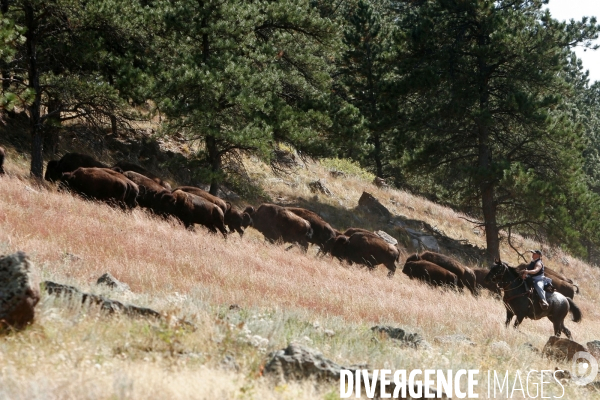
(191, 209)
(69, 163)
(322, 231)
(466, 277)
(277, 223)
(2, 155)
(364, 249)
(564, 287)
(430, 272)
(127, 166)
(351, 231)
(237, 220)
(205, 195)
(480, 274)
(149, 189)
(102, 184)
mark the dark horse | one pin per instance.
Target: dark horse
(518, 300)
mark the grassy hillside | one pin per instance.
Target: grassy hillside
(284, 296)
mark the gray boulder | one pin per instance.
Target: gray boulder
(108, 280)
(19, 291)
(409, 339)
(370, 203)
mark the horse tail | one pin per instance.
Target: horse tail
(576, 288)
(575, 311)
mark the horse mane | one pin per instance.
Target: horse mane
(514, 270)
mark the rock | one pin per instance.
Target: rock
(369, 202)
(594, 348)
(229, 364)
(388, 238)
(530, 347)
(500, 347)
(410, 339)
(337, 174)
(430, 243)
(560, 349)
(108, 305)
(329, 332)
(318, 186)
(457, 338)
(19, 291)
(223, 192)
(380, 182)
(301, 362)
(562, 374)
(234, 307)
(108, 280)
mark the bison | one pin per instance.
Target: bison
(430, 272)
(466, 277)
(322, 231)
(69, 163)
(102, 184)
(480, 274)
(127, 166)
(2, 155)
(277, 223)
(149, 189)
(205, 195)
(191, 209)
(365, 249)
(237, 220)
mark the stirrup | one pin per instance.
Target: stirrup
(544, 304)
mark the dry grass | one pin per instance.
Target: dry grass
(75, 353)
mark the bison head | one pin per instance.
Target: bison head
(52, 172)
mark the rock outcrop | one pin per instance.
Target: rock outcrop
(370, 203)
(561, 349)
(19, 291)
(108, 280)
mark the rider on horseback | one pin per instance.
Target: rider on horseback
(535, 270)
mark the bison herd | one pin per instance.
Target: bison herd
(129, 185)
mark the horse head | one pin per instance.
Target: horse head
(497, 271)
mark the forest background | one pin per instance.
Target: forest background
(479, 105)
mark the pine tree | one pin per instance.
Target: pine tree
(487, 81)
(365, 76)
(71, 50)
(238, 76)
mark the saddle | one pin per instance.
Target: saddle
(548, 287)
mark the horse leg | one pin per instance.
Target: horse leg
(567, 332)
(518, 321)
(558, 327)
(509, 316)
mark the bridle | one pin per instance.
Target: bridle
(506, 288)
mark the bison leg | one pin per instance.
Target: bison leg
(392, 269)
(509, 316)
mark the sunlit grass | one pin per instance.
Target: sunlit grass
(72, 352)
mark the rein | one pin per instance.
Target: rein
(505, 288)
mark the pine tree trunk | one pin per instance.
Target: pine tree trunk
(377, 155)
(37, 140)
(488, 205)
(52, 127)
(5, 72)
(113, 119)
(214, 158)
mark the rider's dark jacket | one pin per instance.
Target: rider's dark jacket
(531, 267)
